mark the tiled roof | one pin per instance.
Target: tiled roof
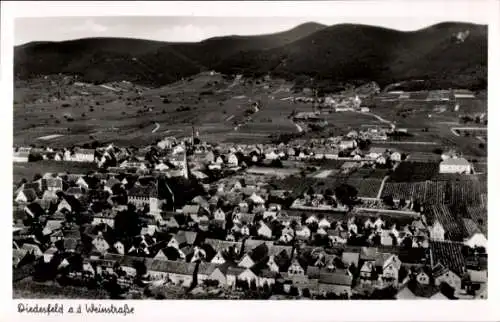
(335, 278)
(30, 194)
(141, 191)
(221, 245)
(449, 254)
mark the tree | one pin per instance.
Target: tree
(306, 293)
(416, 206)
(253, 285)
(388, 200)
(346, 194)
(294, 291)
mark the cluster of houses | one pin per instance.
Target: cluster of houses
(240, 230)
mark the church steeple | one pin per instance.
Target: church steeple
(185, 165)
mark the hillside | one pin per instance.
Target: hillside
(338, 53)
(148, 62)
(357, 52)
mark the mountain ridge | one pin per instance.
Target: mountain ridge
(340, 52)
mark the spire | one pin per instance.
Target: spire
(185, 166)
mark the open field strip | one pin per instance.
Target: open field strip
(49, 137)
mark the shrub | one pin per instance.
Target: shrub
(66, 105)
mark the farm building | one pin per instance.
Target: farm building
(463, 93)
(21, 154)
(455, 165)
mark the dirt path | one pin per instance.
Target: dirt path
(157, 127)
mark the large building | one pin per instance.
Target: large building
(455, 165)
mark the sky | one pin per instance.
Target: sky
(192, 29)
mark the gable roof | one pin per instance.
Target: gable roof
(30, 194)
(449, 254)
(335, 278)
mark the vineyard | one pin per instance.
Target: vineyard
(435, 192)
(466, 192)
(478, 215)
(452, 223)
(367, 188)
(414, 172)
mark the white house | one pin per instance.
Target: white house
(455, 165)
(423, 278)
(396, 156)
(265, 231)
(232, 160)
(437, 231)
(21, 154)
(347, 144)
(477, 240)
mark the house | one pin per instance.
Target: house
(119, 247)
(390, 265)
(189, 210)
(303, 233)
(232, 160)
(232, 274)
(33, 249)
(338, 282)
(100, 243)
(26, 196)
(324, 223)
(442, 274)
(256, 199)
(219, 275)
(264, 231)
(367, 270)
(49, 254)
(455, 165)
(218, 258)
(376, 152)
(104, 218)
(21, 154)
(272, 155)
(219, 215)
(52, 184)
(249, 276)
(478, 239)
(182, 238)
(396, 156)
(437, 231)
(422, 277)
(246, 261)
(350, 258)
(311, 219)
(295, 269)
(347, 144)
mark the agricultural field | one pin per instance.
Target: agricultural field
(414, 172)
(28, 170)
(405, 190)
(137, 117)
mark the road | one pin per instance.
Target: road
(379, 194)
(157, 127)
(455, 129)
(378, 117)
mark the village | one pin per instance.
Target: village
(322, 218)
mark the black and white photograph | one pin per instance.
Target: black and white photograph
(200, 157)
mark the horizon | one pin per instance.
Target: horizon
(191, 29)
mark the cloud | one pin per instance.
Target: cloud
(90, 26)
